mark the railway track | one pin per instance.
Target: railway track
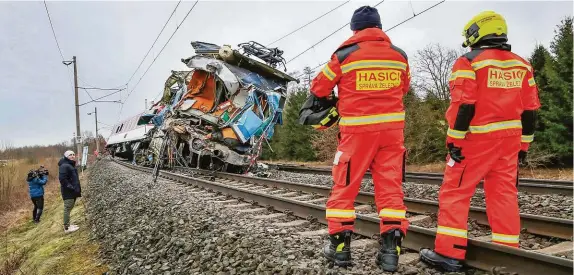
(480, 254)
(535, 186)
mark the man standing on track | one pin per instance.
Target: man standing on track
(372, 76)
(491, 124)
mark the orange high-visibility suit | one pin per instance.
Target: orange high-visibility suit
(372, 77)
(500, 87)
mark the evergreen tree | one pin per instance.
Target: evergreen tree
(294, 139)
(553, 74)
(561, 48)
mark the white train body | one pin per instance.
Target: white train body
(127, 135)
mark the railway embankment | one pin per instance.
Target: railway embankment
(174, 228)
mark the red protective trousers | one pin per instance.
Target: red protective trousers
(383, 153)
(495, 161)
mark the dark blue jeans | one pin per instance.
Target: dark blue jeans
(38, 208)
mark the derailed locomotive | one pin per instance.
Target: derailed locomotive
(217, 116)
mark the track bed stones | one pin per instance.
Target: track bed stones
(176, 229)
(552, 205)
(563, 249)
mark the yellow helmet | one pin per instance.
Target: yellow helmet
(485, 25)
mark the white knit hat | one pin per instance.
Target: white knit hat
(68, 153)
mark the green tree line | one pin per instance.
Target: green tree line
(428, 99)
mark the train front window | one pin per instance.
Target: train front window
(143, 120)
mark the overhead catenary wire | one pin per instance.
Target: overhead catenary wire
(155, 41)
(100, 89)
(153, 61)
(96, 100)
(53, 31)
(325, 38)
(104, 123)
(56, 39)
(63, 59)
(95, 88)
(387, 30)
(89, 95)
(307, 24)
(414, 15)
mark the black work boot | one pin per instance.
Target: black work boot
(448, 264)
(338, 250)
(388, 257)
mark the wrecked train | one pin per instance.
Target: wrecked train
(217, 115)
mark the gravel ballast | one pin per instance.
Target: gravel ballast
(177, 229)
(553, 205)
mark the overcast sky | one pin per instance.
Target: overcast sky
(111, 38)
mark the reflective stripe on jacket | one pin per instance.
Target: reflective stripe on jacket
(501, 86)
(372, 76)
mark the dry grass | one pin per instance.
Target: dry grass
(13, 263)
(44, 248)
(14, 192)
(28, 248)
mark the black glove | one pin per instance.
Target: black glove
(522, 157)
(455, 152)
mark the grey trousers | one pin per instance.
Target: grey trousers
(68, 205)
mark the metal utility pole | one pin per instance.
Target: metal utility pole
(97, 136)
(77, 105)
(145, 104)
(74, 139)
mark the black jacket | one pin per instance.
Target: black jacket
(69, 180)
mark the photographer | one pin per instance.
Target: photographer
(36, 181)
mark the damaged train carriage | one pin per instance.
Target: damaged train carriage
(218, 115)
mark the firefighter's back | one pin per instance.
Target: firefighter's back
(374, 79)
(503, 84)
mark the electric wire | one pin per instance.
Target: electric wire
(104, 123)
(309, 23)
(89, 95)
(153, 61)
(324, 38)
(100, 89)
(63, 60)
(57, 43)
(53, 32)
(387, 30)
(96, 100)
(155, 41)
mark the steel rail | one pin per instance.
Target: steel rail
(535, 186)
(539, 225)
(480, 255)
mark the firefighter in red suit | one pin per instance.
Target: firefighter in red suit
(491, 122)
(372, 76)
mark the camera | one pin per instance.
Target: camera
(38, 173)
(43, 171)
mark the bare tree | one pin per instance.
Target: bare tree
(432, 70)
(308, 76)
(5, 147)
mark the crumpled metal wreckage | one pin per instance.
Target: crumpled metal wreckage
(218, 115)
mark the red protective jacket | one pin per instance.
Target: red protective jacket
(500, 85)
(372, 77)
